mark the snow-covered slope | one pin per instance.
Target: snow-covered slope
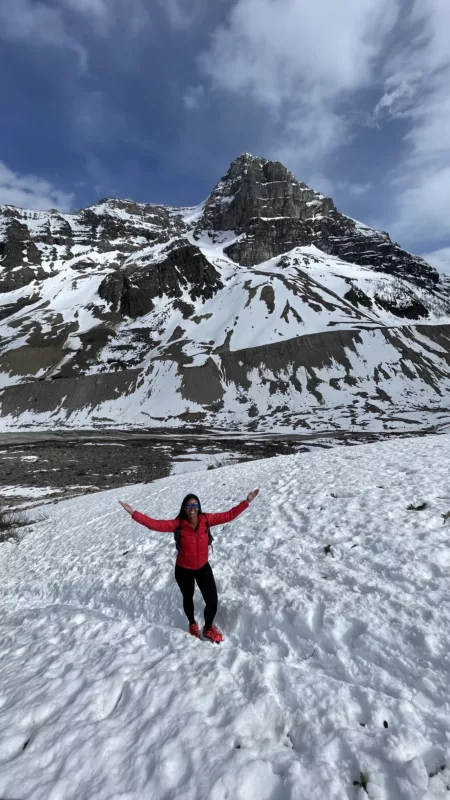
(156, 316)
(335, 666)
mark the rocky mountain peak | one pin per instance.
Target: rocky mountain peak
(273, 212)
(259, 170)
(252, 188)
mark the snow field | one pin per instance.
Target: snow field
(334, 663)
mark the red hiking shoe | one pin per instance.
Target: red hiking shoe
(213, 634)
(194, 630)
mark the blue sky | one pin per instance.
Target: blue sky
(151, 100)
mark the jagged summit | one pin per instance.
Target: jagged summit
(249, 157)
(253, 188)
(247, 160)
(273, 212)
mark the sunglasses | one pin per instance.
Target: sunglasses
(192, 505)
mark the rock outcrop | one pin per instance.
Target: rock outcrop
(32, 242)
(263, 201)
(133, 291)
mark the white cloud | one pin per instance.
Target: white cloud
(417, 88)
(31, 191)
(183, 13)
(439, 259)
(301, 62)
(400, 92)
(104, 15)
(432, 18)
(274, 49)
(27, 20)
(194, 97)
(422, 203)
(309, 132)
(41, 23)
(358, 189)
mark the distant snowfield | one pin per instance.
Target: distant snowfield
(333, 664)
(194, 462)
(28, 491)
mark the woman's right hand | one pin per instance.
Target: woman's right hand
(126, 507)
(252, 495)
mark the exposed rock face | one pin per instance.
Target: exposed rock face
(132, 292)
(254, 187)
(33, 239)
(150, 223)
(19, 257)
(263, 200)
(267, 238)
(18, 247)
(72, 393)
(341, 236)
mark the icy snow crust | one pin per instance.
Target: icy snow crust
(332, 665)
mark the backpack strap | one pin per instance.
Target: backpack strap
(177, 535)
(210, 536)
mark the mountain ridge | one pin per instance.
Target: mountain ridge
(124, 286)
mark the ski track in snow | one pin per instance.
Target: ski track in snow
(104, 695)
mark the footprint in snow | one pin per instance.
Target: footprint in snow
(110, 695)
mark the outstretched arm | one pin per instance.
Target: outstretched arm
(161, 525)
(228, 516)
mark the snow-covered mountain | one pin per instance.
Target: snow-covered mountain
(264, 307)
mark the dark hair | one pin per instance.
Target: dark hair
(182, 514)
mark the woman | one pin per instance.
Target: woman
(192, 537)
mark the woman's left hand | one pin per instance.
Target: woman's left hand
(127, 507)
(251, 496)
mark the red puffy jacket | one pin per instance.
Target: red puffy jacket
(194, 541)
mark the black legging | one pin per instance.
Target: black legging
(186, 579)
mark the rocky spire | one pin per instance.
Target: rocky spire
(274, 212)
(253, 188)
